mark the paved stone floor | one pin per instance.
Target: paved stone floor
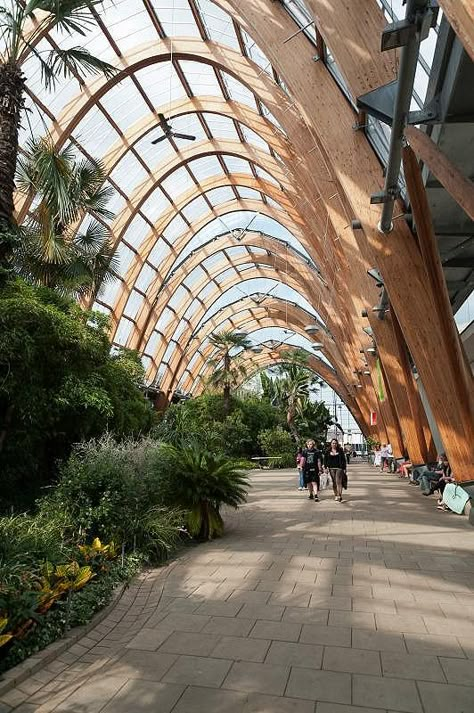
(359, 607)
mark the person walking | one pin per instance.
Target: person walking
(335, 462)
(299, 466)
(312, 467)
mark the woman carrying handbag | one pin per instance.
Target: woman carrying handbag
(335, 462)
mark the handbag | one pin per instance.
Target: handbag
(344, 479)
(455, 498)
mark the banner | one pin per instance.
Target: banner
(380, 386)
(373, 418)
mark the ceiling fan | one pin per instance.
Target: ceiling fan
(168, 132)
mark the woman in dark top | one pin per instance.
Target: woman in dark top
(335, 462)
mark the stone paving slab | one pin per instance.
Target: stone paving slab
(365, 606)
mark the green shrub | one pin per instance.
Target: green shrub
(112, 491)
(279, 443)
(59, 384)
(201, 482)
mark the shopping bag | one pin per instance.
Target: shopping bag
(324, 481)
(455, 497)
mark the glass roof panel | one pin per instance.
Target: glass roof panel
(134, 302)
(125, 104)
(164, 319)
(220, 195)
(129, 24)
(194, 276)
(145, 278)
(95, 133)
(267, 176)
(136, 231)
(249, 193)
(205, 167)
(160, 250)
(155, 205)
(175, 228)
(187, 124)
(176, 18)
(235, 164)
(178, 296)
(123, 332)
(239, 92)
(218, 24)
(154, 154)
(256, 54)
(221, 127)
(125, 256)
(201, 78)
(153, 343)
(195, 209)
(253, 138)
(128, 173)
(177, 182)
(161, 84)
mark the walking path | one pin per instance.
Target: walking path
(359, 607)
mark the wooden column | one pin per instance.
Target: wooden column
(399, 377)
(456, 427)
(396, 435)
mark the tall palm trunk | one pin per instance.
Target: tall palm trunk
(226, 393)
(11, 104)
(290, 419)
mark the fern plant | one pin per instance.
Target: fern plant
(201, 482)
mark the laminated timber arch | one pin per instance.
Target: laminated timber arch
(274, 357)
(357, 175)
(279, 104)
(181, 354)
(143, 252)
(285, 316)
(343, 173)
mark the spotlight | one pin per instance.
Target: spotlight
(375, 275)
(240, 333)
(366, 372)
(312, 328)
(371, 350)
(257, 349)
(317, 345)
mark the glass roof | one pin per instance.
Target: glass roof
(172, 198)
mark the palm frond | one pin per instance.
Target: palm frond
(77, 62)
(68, 15)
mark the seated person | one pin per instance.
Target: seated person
(431, 476)
(405, 467)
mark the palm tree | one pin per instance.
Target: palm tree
(228, 369)
(22, 25)
(293, 390)
(51, 252)
(201, 482)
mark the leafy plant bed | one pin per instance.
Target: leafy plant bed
(69, 614)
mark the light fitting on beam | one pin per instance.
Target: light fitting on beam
(375, 275)
(240, 333)
(371, 350)
(366, 372)
(317, 345)
(312, 328)
(257, 349)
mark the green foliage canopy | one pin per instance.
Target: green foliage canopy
(59, 384)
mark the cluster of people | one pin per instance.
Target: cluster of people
(313, 462)
(383, 457)
(432, 479)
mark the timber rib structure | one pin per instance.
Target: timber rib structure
(276, 192)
